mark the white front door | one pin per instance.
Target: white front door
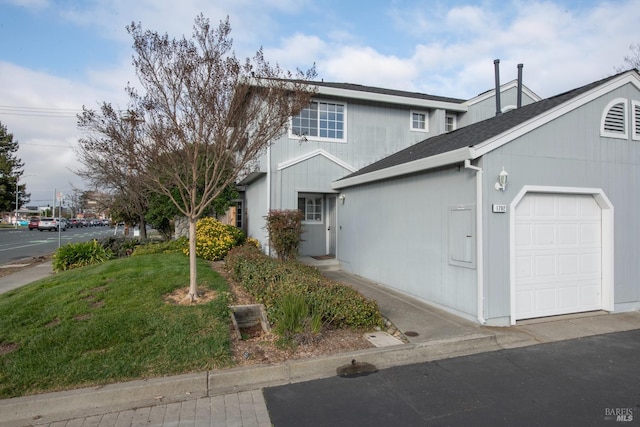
(558, 255)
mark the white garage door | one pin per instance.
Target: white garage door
(558, 247)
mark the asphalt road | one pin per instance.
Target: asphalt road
(24, 243)
(582, 382)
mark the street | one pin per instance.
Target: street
(24, 243)
(587, 381)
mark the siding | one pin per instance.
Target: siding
(567, 152)
(396, 233)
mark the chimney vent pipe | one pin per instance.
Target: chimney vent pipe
(496, 64)
(520, 85)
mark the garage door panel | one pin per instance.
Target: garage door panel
(557, 255)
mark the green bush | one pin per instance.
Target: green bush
(74, 255)
(270, 281)
(164, 247)
(214, 239)
(285, 232)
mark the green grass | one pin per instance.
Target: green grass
(107, 323)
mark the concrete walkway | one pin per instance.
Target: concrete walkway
(234, 396)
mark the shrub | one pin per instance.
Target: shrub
(285, 232)
(74, 255)
(120, 246)
(270, 281)
(164, 247)
(214, 239)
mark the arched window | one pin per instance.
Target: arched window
(614, 119)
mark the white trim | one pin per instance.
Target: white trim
(309, 155)
(450, 157)
(491, 93)
(605, 113)
(342, 140)
(635, 120)
(544, 118)
(607, 240)
(426, 121)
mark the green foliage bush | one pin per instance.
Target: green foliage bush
(285, 232)
(164, 247)
(214, 239)
(74, 255)
(270, 281)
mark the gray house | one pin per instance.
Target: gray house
(492, 217)
(531, 213)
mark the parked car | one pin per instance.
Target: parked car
(33, 223)
(95, 223)
(52, 224)
(83, 222)
(73, 222)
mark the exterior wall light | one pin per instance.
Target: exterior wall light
(503, 178)
(342, 197)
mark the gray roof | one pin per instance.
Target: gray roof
(476, 133)
(382, 91)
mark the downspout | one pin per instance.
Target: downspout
(479, 241)
(268, 191)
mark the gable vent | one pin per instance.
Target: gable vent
(635, 122)
(614, 121)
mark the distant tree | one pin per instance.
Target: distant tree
(10, 173)
(203, 119)
(633, 60)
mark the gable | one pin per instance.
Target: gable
(475, 140)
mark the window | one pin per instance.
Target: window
(320, 120)
(614, 120)
(635, 119)
(450, 122)
(419, 121)
(311, 207)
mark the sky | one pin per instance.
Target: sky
(57, 56)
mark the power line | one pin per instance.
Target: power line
(12, 110)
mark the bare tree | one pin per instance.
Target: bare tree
(105, 154)
(204, 117)
(631, 61)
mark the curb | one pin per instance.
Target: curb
(50, 407)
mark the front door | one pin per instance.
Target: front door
(331, 225)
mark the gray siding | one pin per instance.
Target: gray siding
(256, 208)
(396, 233)
(486, 109)
(567, 152)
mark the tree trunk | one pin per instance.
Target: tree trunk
(143, 228)
(193, 273)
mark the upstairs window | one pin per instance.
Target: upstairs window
(635, 119)
(614, 119)
(419, 121)
(450, 122)
(320, 120)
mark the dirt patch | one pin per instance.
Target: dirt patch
(261, 347)
(8, 347)
(181, 297)
(53, 323)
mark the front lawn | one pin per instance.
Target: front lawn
(108, 323)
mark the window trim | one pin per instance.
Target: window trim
(454, 124)
(320, 138)
(635, 120)
(605, 114)
(426, 121)
(307, 196)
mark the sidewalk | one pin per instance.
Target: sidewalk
(234, 396)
